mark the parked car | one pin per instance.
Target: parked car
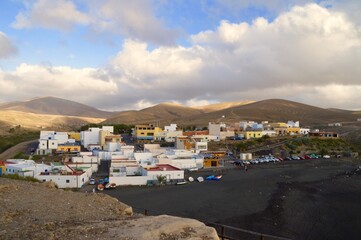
(307, 157)
(326, 156)
(101, 181)
(92, 181)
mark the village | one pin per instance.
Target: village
(140, 159)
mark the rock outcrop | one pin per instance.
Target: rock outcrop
(40, 211)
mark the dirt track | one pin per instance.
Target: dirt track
(11, 152)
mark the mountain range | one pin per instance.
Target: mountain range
(51, 112)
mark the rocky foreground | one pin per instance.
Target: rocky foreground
(40, 211)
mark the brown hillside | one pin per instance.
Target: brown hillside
(221, 106)
(163, 111)
(55, 106)
(274, 110)
(33, 120)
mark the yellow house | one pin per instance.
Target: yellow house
(293, 130)
(252, 134)
(280, 130)
(278, 125)
(107, 136)
(74, 135)
(207, 163)
(68, 148)
(146, 132)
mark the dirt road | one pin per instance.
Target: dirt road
(21, 147)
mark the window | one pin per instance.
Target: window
(67, 181)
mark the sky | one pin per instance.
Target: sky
(119, 55)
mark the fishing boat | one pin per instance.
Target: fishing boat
(200, 179)
(100, 187)
(181, 182)
(215, 178)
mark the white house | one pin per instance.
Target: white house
(304, 131)
(64, 179)
(49, 141)
(171, 128)
(182, 159)
(120, 177)
(244, 125)
(92, 135)
(292, 124)
(270, 133)
(25, 168)
(145, 159)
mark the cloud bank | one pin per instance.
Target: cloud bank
(309, 54)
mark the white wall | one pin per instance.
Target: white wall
(269, 133)
(304, 131)
(74, 181)
(134, 180)
(85, 159)
(90, 137)
(171, 128)
(169, 174)
(43, 144)
(61, 137)
(52, 144)
(24, 170)
(214, 129)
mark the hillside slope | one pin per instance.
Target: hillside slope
(55, 106)
(39, 211)
(32, 120)
(163, 111)
(221, 106)
(274, 110)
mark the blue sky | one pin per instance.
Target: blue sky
(133, 54)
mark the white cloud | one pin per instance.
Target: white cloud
(59, 14)
(309, 54)
(6, 46)
(35, 80)
(132, 19)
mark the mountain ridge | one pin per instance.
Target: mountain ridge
(65, 111)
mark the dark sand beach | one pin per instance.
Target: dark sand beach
(304, 199)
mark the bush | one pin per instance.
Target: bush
(17, 177)
(7, 142)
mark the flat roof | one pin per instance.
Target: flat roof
(163, 167)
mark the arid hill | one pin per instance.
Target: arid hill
(9, 118)
(221, 106)
(164, 111)
(55, 106)
(275, 110)
(51, 112)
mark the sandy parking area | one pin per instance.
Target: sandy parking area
(305, 199)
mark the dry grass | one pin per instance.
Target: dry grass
(32, 120)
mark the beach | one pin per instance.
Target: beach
(304, 199)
